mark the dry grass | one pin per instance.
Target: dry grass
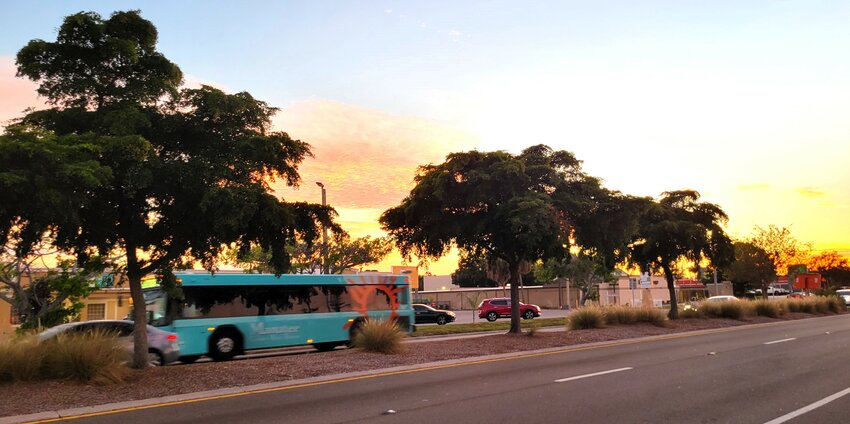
(379, 336)
(586, 318)
(615, 315)
(90, 358)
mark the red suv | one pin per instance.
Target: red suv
(494, 308)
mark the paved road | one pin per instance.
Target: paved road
(740, 375)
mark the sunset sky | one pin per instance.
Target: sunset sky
(746, 102)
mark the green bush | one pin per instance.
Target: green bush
(380, 336)
(585, 318)
(767, 308)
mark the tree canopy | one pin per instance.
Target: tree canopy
(676, 227)
(752, 266)
(142, 167)
(517, 208)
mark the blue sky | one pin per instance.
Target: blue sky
(746, 102)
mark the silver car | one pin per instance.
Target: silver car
(162, 345)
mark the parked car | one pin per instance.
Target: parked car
(163, 346)
(844, 294)
(426, 314)
(722, 299)
(495, 308)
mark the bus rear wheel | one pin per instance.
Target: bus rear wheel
(189, 359)
(325, 347)
(224, 345)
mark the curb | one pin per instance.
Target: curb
(246, 390)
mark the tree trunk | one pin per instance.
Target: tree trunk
(674, 305)
(140, 329)
(515, 326)
(584, 292)
(671, 287)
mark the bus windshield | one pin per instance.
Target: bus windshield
(156, 303)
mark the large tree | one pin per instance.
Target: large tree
(169, 174)
(515, 208)
(781, 246)
(472, 272)
(833, 266)
(752, 266)
(680, 227)
(344, 253)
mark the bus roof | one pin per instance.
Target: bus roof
(207, 279)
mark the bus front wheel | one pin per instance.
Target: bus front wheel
(224, 345)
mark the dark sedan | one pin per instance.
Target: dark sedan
(426, 314)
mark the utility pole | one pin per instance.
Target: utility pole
(325, 265)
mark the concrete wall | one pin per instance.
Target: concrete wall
(546, 297)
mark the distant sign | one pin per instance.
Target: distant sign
(644, 281)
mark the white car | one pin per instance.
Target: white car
(722, 299)
(844, 294)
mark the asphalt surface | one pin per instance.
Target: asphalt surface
(752, 374)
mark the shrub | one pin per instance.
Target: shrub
(89, 357)
(767, 308)
(794, 305)
(533, 331)
(586, 318)
(380, 336)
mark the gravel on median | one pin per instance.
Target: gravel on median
(30, 397)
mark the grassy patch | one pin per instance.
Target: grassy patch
(379, 336)
(437, 330)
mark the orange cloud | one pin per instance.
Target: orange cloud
(18, 94)
(365, 158)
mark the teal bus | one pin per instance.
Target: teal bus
(223, 315)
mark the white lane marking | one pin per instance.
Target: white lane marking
(808, 408)
(592, 375)
(780, 341)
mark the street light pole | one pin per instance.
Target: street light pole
(325, 264)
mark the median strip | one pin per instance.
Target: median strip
(780, 341)
(592, 375)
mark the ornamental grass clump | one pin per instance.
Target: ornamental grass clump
(20, 359)
(586, 318)
(767, 308)
(835, 305)
(691, 312)
(727, 309)
(95, 357)
(381, 336)
(616, 315)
